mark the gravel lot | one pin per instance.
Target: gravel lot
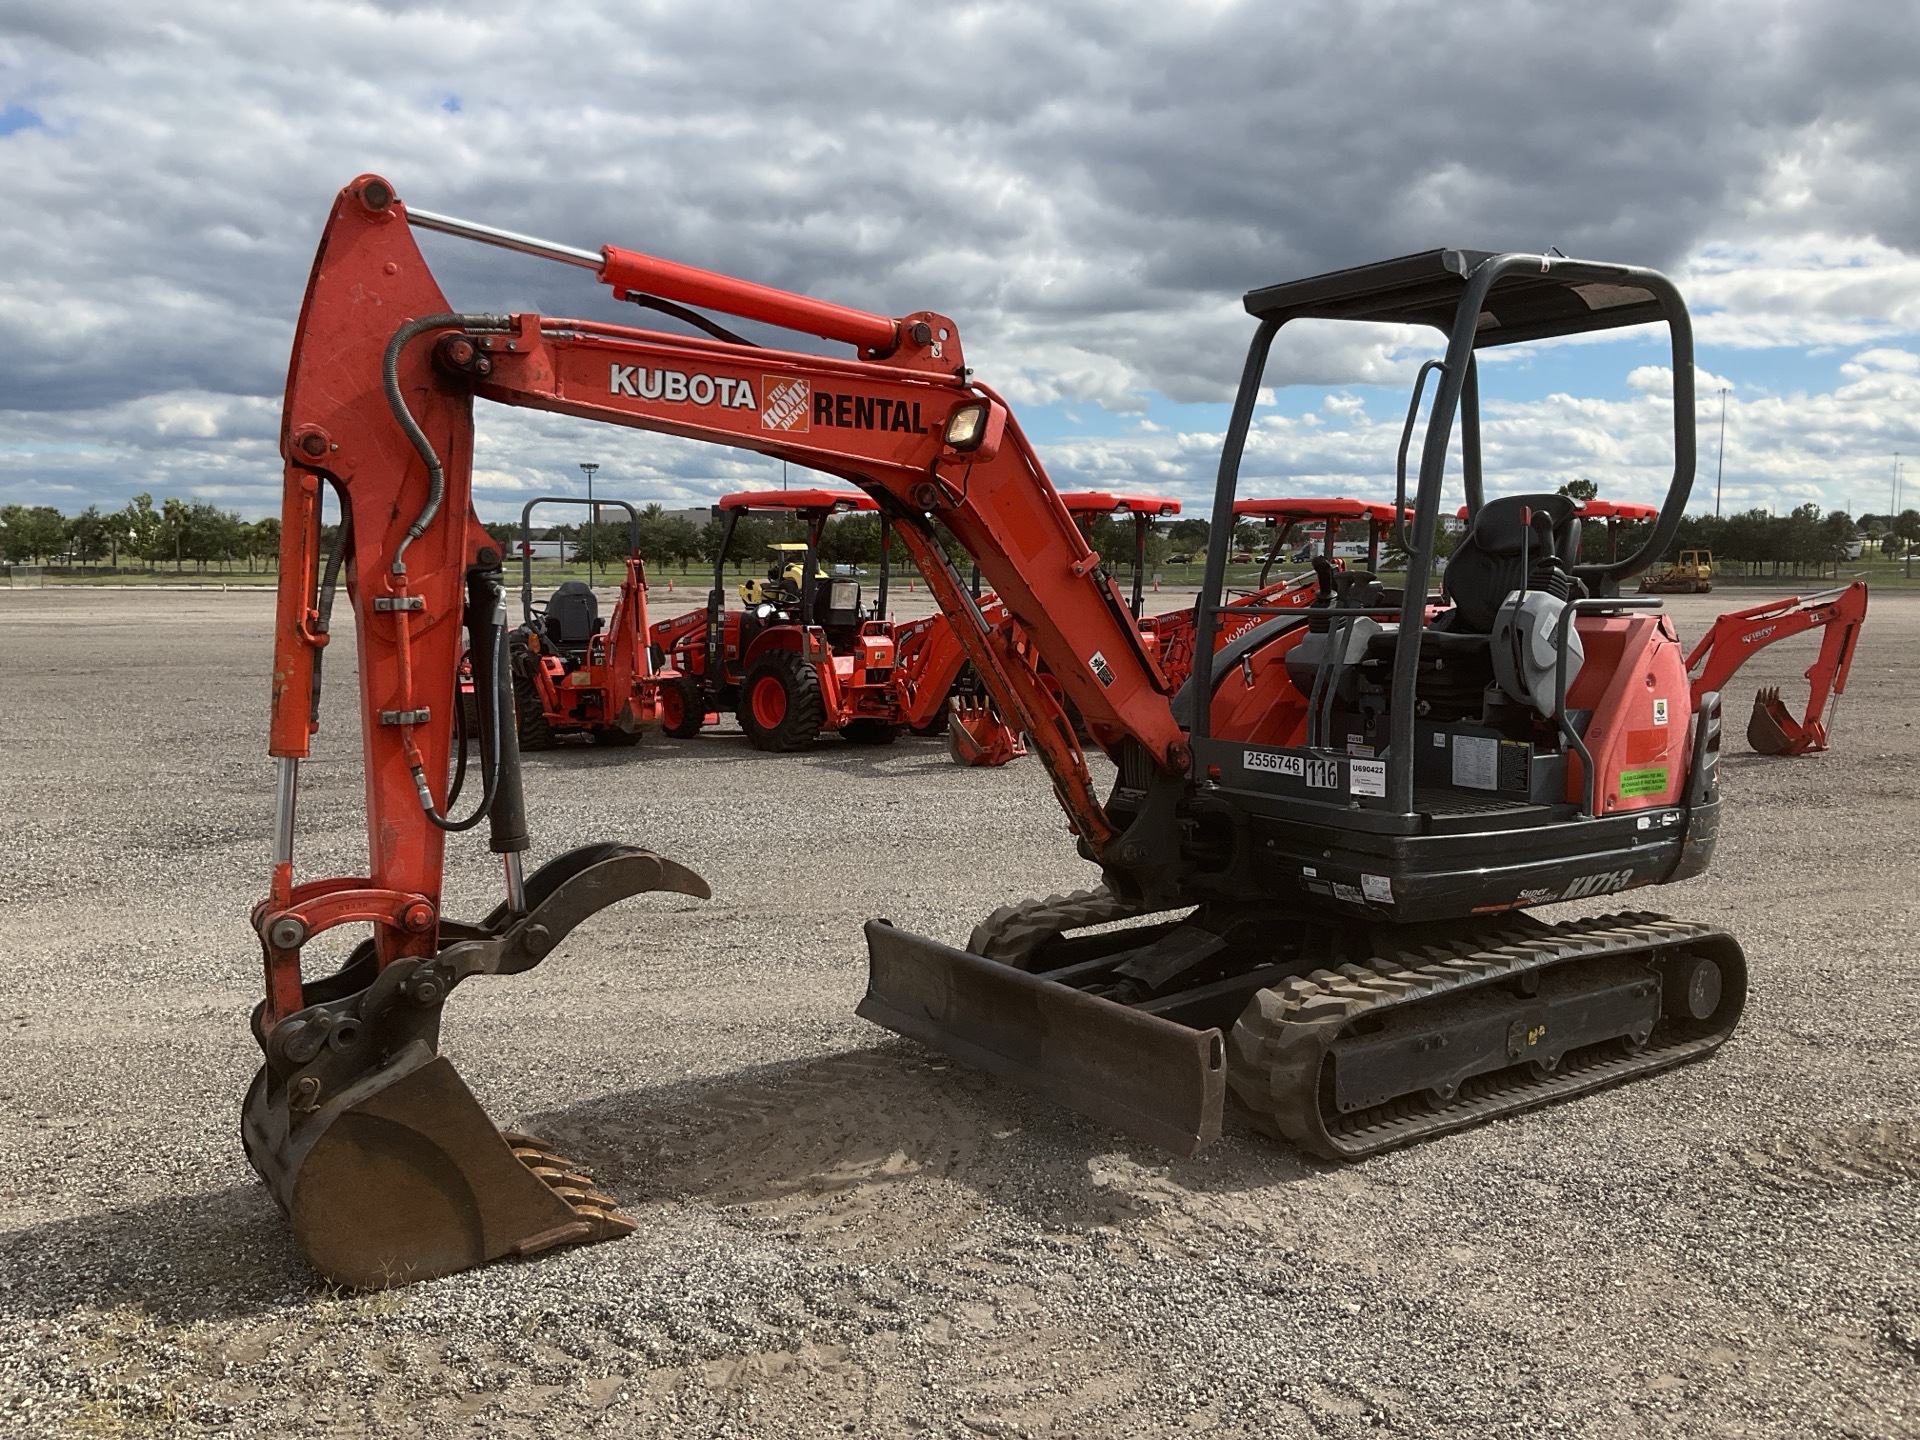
(839, 1232)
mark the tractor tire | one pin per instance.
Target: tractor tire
(780, 704)
(683, 707)
(937, 726)
(529, 714)
(869, 732)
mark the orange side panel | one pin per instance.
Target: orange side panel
(1635, 682)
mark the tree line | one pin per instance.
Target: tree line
(178, 533)
(138, 533)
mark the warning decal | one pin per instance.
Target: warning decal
(1643, 782)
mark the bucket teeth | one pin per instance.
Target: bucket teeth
(572, 1184)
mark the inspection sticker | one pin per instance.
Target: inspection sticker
(1660, 710)
(1377, 888)
(1369, 777)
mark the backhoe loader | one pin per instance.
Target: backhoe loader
(1318, 849)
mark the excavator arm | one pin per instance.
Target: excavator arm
(904, 423)
(388, 1168)
(1737, 635)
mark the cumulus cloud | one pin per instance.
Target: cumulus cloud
(1087, 187)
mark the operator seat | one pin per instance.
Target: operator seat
(572, 617)
(1500, 553)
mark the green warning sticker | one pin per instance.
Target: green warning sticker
(1643, 782)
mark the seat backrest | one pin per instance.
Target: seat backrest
(573, 614)
(1493, 557)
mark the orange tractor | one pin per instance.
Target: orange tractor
(572, 674)
(1317, 852)
(802, 655)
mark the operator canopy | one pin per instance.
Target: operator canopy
(1564, 298)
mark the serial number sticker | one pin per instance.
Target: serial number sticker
(1369, 777)
(1322, 774)
(1643, 782)
(1273, 764)
(1377, 888)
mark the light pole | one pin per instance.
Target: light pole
(589, 466)
(1720, 465)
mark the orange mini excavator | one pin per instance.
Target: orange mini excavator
(1322, 844)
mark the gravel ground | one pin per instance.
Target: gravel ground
(840, 1233)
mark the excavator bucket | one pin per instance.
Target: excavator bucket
(405, 1178)
(1772, 730)
(976, 735)
(387, 1166)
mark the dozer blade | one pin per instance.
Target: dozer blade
(1147, 1077)
(977, 736)
(1772, 730)
(385, 1163)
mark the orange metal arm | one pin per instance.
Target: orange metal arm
(878, 422)
(1735, 636)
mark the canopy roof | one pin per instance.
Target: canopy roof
(1101, 502)
(1603, 510)
(798, 500)
(1549, 296)
(1311, 507)
(1619, 510)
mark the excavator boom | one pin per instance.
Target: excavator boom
(1736, 636)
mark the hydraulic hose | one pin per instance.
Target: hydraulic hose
(390, 375)
(459, 743)
(490, 763)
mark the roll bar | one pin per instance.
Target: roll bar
(526, 540)
(1478, 299)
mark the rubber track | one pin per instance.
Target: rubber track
(1281, 1043)
(1013, 933)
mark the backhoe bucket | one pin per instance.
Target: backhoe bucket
(977, 736)
(1772, 730)
(385, 1163)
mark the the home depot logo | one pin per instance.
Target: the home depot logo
(786, 407)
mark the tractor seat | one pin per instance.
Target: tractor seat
(572, 617)
(1500, 553)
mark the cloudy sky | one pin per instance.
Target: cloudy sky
(1088, 189)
